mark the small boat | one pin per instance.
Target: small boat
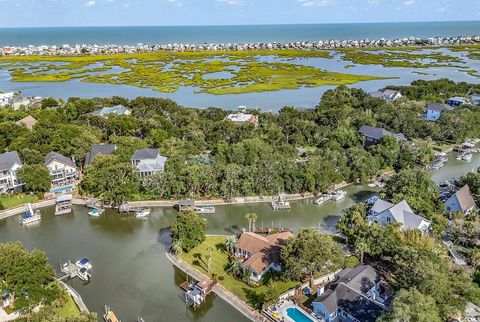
(204, 209)
(142, 212)
(323, 198)
(84, 275)
(30, 216)
(280, 204)
(140, 319)
(95, 212)
(84, 263)
(467, 157)
(339, 194)
(109, 316)
(371, 200)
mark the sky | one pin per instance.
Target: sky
(42, 13)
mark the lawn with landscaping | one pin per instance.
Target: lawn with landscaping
(12, 201)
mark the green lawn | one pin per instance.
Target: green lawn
(253, 296)
(69, 309)
(16, 200)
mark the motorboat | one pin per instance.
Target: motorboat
(109, 316)
(339, 194)
(204, 209)
(323, 198)
(84, 263)
(30, 216)
(84, 274)
(280, 203)
(142, 212)
(95, 212)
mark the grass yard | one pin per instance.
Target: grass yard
(69, 309)
(16, 200)
(253, 296)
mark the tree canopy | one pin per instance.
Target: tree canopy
(189, 230)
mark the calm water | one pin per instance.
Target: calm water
(230, 34)
(131, 273)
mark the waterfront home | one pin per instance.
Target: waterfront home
(461, 201)
(113, 110)
(148, 161)
(61, 169)
(457, 101)
(241, 118)
(435, 110)
(20, 101)
(99, 149)
(28, 121)
(9, 165)
(373, 135)
(384, 213)
(475, 99)
(6, 98)
(386, 94)
(359, 294)
(260, 254)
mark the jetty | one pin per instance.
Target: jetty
(71, 270)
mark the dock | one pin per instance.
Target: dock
(70, 270)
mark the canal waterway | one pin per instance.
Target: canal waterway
(131, 273)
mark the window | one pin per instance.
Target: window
(389, 219)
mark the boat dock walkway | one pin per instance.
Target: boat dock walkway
(69, 271)
(218, 289)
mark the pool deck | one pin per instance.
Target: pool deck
(282, 309)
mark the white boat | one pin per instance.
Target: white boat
(323, 198)
(30, 216)
(204, 209)
(95, 212)
(142, 212)
(83, 274)
(84, 263)
(280, 204)
(339, 194)
(467, 157)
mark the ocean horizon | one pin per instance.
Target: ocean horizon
(133, 35)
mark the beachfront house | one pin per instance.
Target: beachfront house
(359, 294)
(386, 94)
(148, 161)
(384, 213)
(435, 110)
(62, 169)
(260, 254)
(242, 118)
(461, 201)
(373, 135)
(9, 165)
(113, 110)
(28, 121)
(98, 149)
(6, 98)
(475, 99)
(457, 101)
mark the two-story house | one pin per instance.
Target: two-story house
(9, 165)
(260, 254)
(241, 118)
(386, 94)
(384, 213)
(435, 110)
(359, 294)
(98, 149)
(148, 161)
(373, 135)
(62, 169)
(461, 201)
(113, 110)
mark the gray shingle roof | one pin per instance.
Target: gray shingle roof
(439, 107)
(8, 159)
(465, 199)
(145, 154)
(99, 149)
(378, 132)
(381, 205)
(55, 156)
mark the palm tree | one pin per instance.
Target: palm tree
(362, 248)
(254, 219)
(177, 247)
(208, 256)
(236, 268)
(231, 244)
(251, 217)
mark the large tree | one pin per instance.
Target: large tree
(189, 229)
(35, 177)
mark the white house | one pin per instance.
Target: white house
(148, 161)
(241, 118)
(475, 99)
(384, 213)
(386, 94)
(113, 110)
(9, 165)
(62, 169)
(435, 110)
(457, 101)
(461, 201)
(260, 254)
(6, 98)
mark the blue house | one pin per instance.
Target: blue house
(359, 295)
(435, 110)
(462, 201)
(457, 101)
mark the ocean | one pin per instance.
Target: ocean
(231, 34)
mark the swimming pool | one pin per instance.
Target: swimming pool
(297, 315)
(61, 189)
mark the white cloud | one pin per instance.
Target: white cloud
(90, 3)
(409, 2)
(314, 3)
(440, 10)
(232, 2)
(126, 5)
(373, 2)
